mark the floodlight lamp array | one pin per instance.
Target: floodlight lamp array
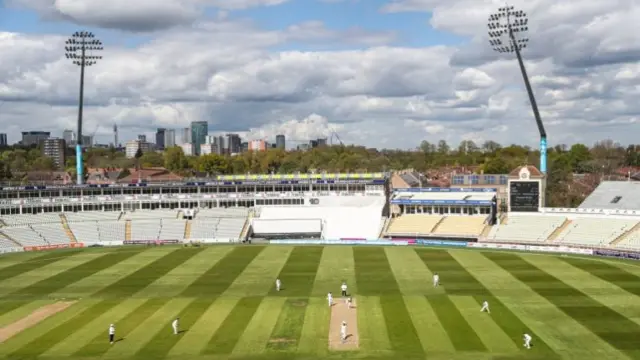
(80, 48)
(510, 24)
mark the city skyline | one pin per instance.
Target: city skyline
(386, 73)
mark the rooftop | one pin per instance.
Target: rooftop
(615, 195)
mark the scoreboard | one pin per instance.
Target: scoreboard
(524, 196)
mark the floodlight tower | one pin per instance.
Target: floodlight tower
(80, 49)
(512, 24)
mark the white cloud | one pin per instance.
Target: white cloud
(226, 71)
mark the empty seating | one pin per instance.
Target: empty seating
(204, 229)
(631, 242)
(111, 230)
(223, 212)
(145, 229)
(92, 216)
(526, 228)
(26, 219)
(24, 235)
(150, 214)
(53, 233)
(461, 225)
(172, 229)
(413, 224)
(595, 231)
(85, 231)
(230, 228)
(6, 243)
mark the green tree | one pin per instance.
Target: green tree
(175, 160)
(151, 159)
(579, 154)
(496, 165)
(213, 164)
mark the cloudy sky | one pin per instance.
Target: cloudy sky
(383, 73)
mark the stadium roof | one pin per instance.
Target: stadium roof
(616, 195)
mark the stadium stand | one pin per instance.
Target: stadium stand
(614, 195)
(172, 229)
(52, 233)
(110, 231)
(595, 231)
(148, 229)
(24, 235)
(526, 228)
(413, 224)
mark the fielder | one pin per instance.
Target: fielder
(436, 280)
(527, 341)
(112, 333)
(278, 284)
(485, 307)
(330, 299)
(343, 332)
(344, 289)
(349, 302)
(176, 326)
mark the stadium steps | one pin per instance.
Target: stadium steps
(554, 235)
(121, 215)
(246, 226)
(10, 239)
(179, 214)
(435, 227)
(504, 218)
(485, 232)
(127, 230)
(385, 227)
(626, 234)
(187, 230)
(67, 229)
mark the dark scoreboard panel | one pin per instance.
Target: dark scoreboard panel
(524, 196)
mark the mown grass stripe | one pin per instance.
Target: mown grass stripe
(23, 309)
(256, 335)
(610, 326)
(607, 272)
(99, 324)
(299, 272)
(221, 275)
(432, 335)
(65, 278)
(458, 281)
(193, 341)
(41, 344)
(228, 334)
(99, 345)
(372, 329)
(138, 280)
(317, 320)
(335, 266)
(402, 333)
(373, 274)
(286, 334)
(461, 334)
(35, 263)
(258, 278)
(163, 341)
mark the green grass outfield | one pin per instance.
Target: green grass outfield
(574, 308)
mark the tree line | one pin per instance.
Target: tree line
(565, 163)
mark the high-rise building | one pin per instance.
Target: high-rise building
(142, 138)
(3, 139)
(160, 133)
(116, 144)
(280, 142)
(69, 137)
(54, 148)
(234, 143)
(30, 138)
(131, 148)
(169, 138)
(187, 149)
(206, 149)
(199, 132)
(87, 141)
(257, 145)
(185, 137)
(223, 147)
